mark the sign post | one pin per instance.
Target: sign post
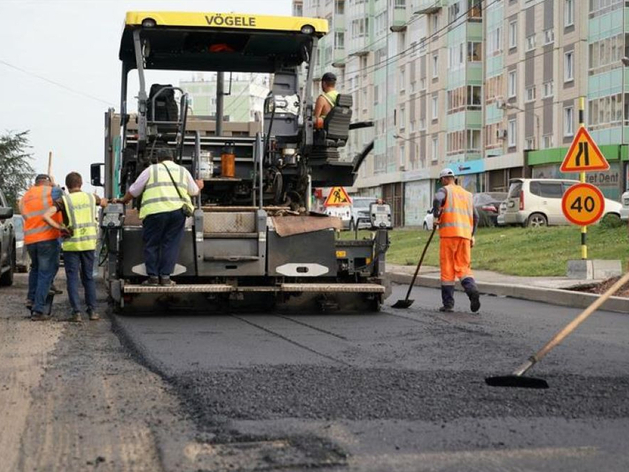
(583, 204)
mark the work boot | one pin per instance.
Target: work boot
(152, 280)
(446, 309)
(29, 304)
(474, 301)
(75, 317)
(37, 316)
(93, 315)
(166, 281)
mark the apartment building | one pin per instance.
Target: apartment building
(490, 88)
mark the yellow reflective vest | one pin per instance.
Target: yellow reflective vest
(330, 97)
(81, 211)
(160, 195)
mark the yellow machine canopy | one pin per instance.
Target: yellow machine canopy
(219, 41)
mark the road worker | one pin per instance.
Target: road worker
(327, 100)
(457, 218)
(166, 188)
(79, 246)
(41, 240)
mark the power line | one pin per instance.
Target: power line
(437, 34)
(65, 87)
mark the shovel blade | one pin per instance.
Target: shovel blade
(516, 381)
(403, 303)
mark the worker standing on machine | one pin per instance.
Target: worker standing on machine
(453, 209)
(166, 188)
(327, 100)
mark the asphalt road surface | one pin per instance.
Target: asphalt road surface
(399, 390)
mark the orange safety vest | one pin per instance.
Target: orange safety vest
(36, 201)
(457, 214)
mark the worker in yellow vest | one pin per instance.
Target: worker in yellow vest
(327, 100)
(166, 188)
(454, 211)
(79, 245)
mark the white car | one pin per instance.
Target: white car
(537, 202)
(428, 220)
(360, 212)
(624, 211)
(500, 221)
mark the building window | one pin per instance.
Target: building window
(435, 23)
(548, 141)
(512, 84)
(402, 118)
(548, 89)
(435, 66)
(473, 140)
(435, 108)
(530, 42)
(568, 65)
(568, 121)
(339, 40)
(568, 12)
(435, 148)
(530, 93)
(402, 79)
(474, 51)
(422, 83)
(340, 7)
(549, 36)
(511, 133)
(513, 35)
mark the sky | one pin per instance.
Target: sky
(75, 43)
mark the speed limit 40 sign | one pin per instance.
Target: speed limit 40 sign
(583, 204)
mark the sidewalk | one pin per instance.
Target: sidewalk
(552, 290)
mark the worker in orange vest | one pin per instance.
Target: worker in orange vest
(42, 242)
(454, 211)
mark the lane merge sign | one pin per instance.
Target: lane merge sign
(583, 204)
(337, 197)
(584, 155)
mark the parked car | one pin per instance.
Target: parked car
(342, 212)
(487, 204)
(428, 220)
(21, 254)
(360, 212)
(624, 211)
(7, 242)
(537, 202)
(502, 209)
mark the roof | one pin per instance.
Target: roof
(226, 20)
(220, 41)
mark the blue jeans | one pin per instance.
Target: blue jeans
(80, 263)
(44, 265)
(162, 233)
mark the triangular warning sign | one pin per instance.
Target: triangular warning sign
(583, 155)
(337, 197)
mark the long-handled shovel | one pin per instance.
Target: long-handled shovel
(406, 302)
(517, 379)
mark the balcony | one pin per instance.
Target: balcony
(427, 7)
(338, 57)
(359, 46)
(398, 22)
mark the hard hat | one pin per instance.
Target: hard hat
(447, 172)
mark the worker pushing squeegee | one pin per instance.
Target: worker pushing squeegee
(453, 210)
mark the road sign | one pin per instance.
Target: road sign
(337, 197)
(584, 155)
(583, 204)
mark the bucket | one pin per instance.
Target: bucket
(206, 166)
(228, 160)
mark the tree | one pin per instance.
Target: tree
(16, 172)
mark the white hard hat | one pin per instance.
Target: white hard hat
(447, 172)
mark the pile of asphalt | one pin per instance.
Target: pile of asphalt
(324, 392)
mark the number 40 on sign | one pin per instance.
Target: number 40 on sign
(583, 204)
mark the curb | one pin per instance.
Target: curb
(551, 296)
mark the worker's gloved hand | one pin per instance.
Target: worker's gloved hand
(66, 232)
(472, 241)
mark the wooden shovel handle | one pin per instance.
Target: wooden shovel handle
(561, 335)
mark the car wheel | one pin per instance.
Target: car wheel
(536, 220)
(352, 225)
(6, 279)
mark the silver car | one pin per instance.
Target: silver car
(624, 210)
